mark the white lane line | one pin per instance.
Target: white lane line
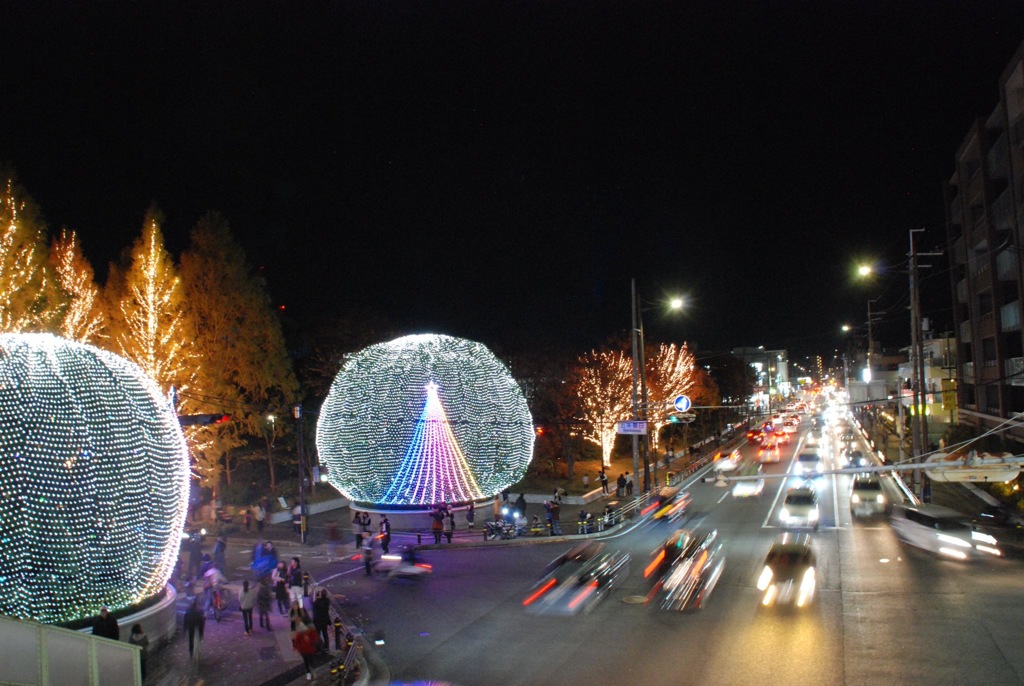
(724, 496)
(335, 576)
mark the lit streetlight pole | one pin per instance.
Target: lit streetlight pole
(640, 401)
(304, 531)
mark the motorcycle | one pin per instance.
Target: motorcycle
(500, 529)
(405, 565)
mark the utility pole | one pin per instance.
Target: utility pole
(297, 412)
(919, 426)
(636, 373)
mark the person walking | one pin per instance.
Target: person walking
(138, 638)
(604, 483)
(295, 614)
(437, 526)
(105, 626)
(280, 580)
(620, 484)
(248, 519)
(333, 538)
(220, 549)
(304, 641)
(368, 558)
(365, 524)
(385, 534)
(295, 581)
(449, 525)
(322, 617)
(357, 530)
(195, 624)
(260, 516)
(264, 598)
(629, 484)
(556, 523)
(521, 504)
(246, 602)
(470, 515)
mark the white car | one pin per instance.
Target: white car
(747, 488)
(942, 531)
(800, 508)
(808, 463)
(866, 496)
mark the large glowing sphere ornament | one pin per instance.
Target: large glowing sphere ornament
(93, 481)
(424, 419)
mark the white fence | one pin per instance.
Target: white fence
(33, 654)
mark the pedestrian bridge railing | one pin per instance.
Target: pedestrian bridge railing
(34, 654)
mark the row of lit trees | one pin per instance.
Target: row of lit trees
(203, 325)
(603, 385)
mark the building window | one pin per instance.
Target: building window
(988, 352)
(992, 398)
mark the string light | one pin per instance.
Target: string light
(93, 481)
(424, 419)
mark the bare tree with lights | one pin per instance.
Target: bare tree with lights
(603, 382)
(670, 373)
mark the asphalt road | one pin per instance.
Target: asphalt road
(883, 614)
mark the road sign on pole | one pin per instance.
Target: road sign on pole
(682, 403)
(631, 427)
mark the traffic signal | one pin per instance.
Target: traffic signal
(681, 417)
(203, 419)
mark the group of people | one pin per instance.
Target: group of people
(624, 484)
(361, 528)
(442, 522)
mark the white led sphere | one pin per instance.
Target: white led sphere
(424, 419)
(94, 479)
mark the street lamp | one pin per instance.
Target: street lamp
(640, 403)
(303, 529)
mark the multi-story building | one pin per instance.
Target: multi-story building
(985, 225)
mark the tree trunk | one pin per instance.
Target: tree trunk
(270, 468)
(227, 467)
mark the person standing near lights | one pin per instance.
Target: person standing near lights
(385, 534)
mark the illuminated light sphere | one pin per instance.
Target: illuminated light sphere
(424, 419)
(94, 481)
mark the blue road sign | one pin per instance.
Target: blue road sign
(683, 403)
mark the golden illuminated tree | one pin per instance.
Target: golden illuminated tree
(246, 370)
(670, 373)
(603, 381)
(147, 319)
(84, 315)
(29, 299)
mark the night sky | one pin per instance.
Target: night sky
(500, 170)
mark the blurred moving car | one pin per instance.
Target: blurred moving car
(788, 575)
(866, 496)
(752, 486)
(809, 463)
(671, 503)
(769, 453)
(856, 458)
(577, 580)
(943, 531)
(688, 568)
(800, 507)
(995, 515)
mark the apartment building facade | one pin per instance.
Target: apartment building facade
(985, 225)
